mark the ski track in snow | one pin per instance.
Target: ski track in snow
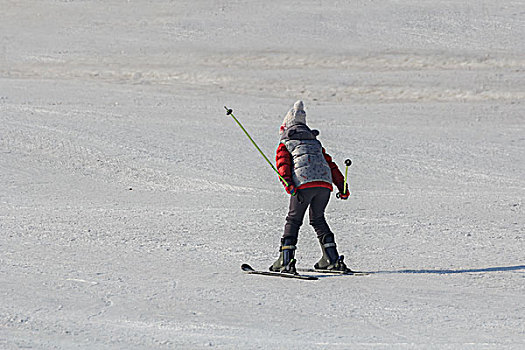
(129, 200)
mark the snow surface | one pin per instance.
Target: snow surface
(129, 200)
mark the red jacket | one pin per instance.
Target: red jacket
(283, 160)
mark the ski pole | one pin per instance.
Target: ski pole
(230, 112)
(348, 162)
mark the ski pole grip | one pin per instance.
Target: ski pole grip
(228, 110)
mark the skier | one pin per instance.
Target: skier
(309, 171)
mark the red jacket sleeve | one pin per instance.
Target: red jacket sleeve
(337, 177)
(283, 159)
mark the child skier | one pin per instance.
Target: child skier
(309, 171)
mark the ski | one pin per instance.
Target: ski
(250, 270)
(353, 273)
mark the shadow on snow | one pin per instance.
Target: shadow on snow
(450, 271)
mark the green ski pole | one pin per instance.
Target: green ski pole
(348, 162)
(230, 112)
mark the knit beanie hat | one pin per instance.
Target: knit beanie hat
(296, 115)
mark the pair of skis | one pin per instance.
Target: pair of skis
(250, 270)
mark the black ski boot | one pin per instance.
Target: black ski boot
(286, 262)
(331, 259)
(330, 254)
(340, 265)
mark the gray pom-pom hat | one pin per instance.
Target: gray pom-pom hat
(296, 115)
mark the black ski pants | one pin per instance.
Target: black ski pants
(315, 198)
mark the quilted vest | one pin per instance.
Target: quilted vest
(309, 164)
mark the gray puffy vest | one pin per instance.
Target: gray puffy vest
(309, 164)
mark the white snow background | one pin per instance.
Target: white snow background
(129, 200)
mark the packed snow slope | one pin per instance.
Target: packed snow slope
(129, 199)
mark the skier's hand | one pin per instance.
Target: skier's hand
(291, 189)
(289, 186)
(345, 195)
